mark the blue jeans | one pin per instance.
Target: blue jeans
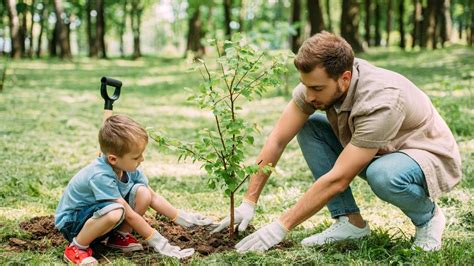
(76, 220)
(395, 177)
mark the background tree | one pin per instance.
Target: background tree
(377, 22)
(417, 23)
(350, 24)
(14, 29)
(43, 19)
(195, 30)
(401, 23)
(100, 30)
(388, 24)
(295, 39)
(328, 14)
(315, 16)
(136, 22)
(227, 5)
(368, 15)
(62, 31)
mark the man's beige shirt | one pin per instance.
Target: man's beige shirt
(384, 110)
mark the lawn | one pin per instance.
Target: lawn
(50, 112)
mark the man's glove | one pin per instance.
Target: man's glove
(263, 239)
(190, 220)
(242, 216)
(161, 245)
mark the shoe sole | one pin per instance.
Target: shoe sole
(127, 249)
(68, 261)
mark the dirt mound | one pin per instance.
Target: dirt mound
(42, 235)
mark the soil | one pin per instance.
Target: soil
(41, 235)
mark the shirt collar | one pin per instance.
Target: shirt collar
(348, 102)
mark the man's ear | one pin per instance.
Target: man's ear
(112, 159)
(346, 79)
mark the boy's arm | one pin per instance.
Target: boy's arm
(135, 220)
(185, 219)
(162, 206)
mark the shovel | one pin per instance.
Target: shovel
(109, 100)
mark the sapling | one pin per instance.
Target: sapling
(241, 74)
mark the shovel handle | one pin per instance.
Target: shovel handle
(109, 100)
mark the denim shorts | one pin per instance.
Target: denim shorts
(76, 220)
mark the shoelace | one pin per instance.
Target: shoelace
(333, 227)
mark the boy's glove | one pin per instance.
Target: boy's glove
(161, 245)
(190, 220)
(243, 215)
(263, 239)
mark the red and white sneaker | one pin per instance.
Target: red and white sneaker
(126, 243)
(78, 256)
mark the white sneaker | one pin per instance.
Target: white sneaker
(429, 236)
(340, 230)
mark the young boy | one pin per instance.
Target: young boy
(108, 198)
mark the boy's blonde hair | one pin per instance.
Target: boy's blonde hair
(119, 133)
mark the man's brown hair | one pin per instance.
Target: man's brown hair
(119, 134)
(325, 50)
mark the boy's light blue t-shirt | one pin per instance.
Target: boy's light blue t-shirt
(93, 183)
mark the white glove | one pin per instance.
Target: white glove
(263, 239)
(161, 245)
(242, 217)
(190, 220)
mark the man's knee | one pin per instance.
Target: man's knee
(313, 125)
(382, 180)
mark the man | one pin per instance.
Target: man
(378, 125)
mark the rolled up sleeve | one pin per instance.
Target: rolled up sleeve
(299, 97)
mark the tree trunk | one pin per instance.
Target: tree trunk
(328, 14)
(389, 22)
(429, 25)
(30, 34)
(23, 27)
(122, 28)
(195, 32)
(43, 17)
(401, 24)
(445, 22)
(2, 32)
(378, 31)
(242, 14)
(417, 18)
(136, 14)
(100, 30)
(368, 15)
(471, 34)
(62, 31)
(350, 24)
(296, 19)
(227, 18)
(53, 43)
(315, 16)
(14, 28)
(89, 30)
(232, 214)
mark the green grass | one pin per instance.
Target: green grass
(50, 112)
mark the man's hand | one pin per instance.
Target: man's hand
(263, 239)
(243, 215)
(190, 220)
(161, 245)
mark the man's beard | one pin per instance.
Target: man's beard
(338, 96)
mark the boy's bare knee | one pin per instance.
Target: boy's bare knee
(114, 216)
(143, 196)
